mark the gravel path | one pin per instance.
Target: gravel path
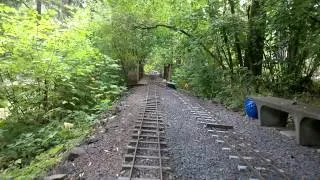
(194, 152)
(104, 149)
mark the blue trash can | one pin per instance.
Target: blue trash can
(250, 108)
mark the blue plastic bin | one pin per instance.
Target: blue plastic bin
(250, 108)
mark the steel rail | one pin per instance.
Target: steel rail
(138, 139)
(158, 133)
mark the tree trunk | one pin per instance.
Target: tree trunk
(165, 72)
(256, 37)
(229, 58)
(236, 36)
(38, 2)
(295, 58)
(141, 70)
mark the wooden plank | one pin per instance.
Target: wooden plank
(152, 127)
(149, 142)
(147, 130)
(160, 124)
(146, 157)
(150, 149)
(127, 178)
(148, 119)
(219, 126)
(144, 167)
(136, 135)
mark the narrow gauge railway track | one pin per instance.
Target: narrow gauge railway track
(147, 153)
(248, 161)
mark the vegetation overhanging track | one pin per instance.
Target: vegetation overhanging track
(146, 156)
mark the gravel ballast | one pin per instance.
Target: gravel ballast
(104, 149)
(198, 155)
(194, 152)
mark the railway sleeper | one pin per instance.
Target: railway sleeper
(145, 167)
(148, 142)
(149, 127)
(127, 178)
(150, 133)
(146, 130)
(144, 152)
(147, 145)
(135, 136)
(146, 161)
(150, 119)
(130, 157)
(156, 123)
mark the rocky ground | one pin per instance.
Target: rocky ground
(194, 152)
(100, 157)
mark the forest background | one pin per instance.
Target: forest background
(68, 61)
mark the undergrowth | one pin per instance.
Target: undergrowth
(231, 89)
(56, 81)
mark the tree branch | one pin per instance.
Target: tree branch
(205, 48)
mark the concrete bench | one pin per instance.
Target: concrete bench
(274, 112)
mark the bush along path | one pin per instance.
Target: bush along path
(194, 151)
(54, 80)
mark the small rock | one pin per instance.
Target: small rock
(241, 167)
(91, 140)
(75, 152)
(318, 150)
(112, 117)
(116, 110)
(233, 157)
(55, 177)
(81, 174)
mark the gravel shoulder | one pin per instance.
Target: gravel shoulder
(194, 152)
(102, 152)
(197, 155)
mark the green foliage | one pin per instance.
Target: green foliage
(69, 63)
(28, 145)
(40, 163)
(227, 50)
(51, 72)
(215, 84)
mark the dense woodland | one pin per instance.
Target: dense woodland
(68, 61)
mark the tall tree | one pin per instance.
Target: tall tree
(237, 46)
(256, 37)
(38, 3)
